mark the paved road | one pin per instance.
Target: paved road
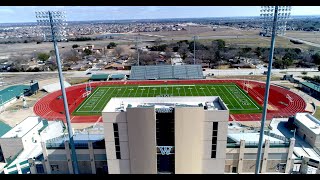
(217, 72)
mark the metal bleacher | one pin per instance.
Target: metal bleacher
(166, 72)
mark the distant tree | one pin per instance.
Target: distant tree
(258, 51)
(305, 57)
(220, 43)
(183, 50)
(118, 51)
(168, 53)
(157, 41)
(318, 68)
(75, 46)
(304, 72)
(17, 62)
(316, 58)
(111, 45)
(43, 56)
(188, 60)
(71, 56)
(175, 49)
(87, 51)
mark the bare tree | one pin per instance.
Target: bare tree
(19, 60)
(168, 53)
(71, 56)
(157, 41)
(306, 57)
(118, 51)
(183, 50)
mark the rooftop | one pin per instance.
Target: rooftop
(309, 121)
(99, 76)
(253, 138)
(121, 104)
(301, 147)
(22, 128)
(312, 86)
(78, 138)
(11, 92)
(55, 86)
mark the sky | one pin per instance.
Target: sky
(13, 14)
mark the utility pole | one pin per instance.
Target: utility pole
(266, 95)
(194, 49)
(137, 48)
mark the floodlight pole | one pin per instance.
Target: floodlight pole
(65, 102)
(266, 94)
(137, 48)
(194, 49)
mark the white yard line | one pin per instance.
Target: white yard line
(124, 92)
(85, 101)
(197, 90)
(233, 96)
(136, 92)
(148, 91)
(203, 90)
(102, 98)
(248, 98)
(184, 91)
(226, 97)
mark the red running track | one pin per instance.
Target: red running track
(51, 106)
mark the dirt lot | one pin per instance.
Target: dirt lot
(230, 35)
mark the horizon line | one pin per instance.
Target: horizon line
(155, 19)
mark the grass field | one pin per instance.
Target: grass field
(233, 96)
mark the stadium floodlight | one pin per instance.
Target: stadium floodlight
(266, 15)
(266, 94)
(52, 24)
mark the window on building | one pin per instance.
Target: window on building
(40, 169)
(116, 140)
(234, 169)
(54, 167)
(214, 139)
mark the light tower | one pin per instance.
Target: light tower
(194, 49)
(267, 14)
(266, 94)
(137, 41)
(52, 24)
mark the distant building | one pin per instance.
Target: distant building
(24, 141)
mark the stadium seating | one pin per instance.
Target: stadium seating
(166, 72)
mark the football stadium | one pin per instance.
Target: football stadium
(244, 98)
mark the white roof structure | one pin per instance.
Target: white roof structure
(55, 87)
(52, 130)
(22, 128)
(120, 104)
(312, 123)
(301, 147)
(252, 137)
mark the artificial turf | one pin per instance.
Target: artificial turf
(236, 99)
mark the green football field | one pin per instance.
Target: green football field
(233, 96)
